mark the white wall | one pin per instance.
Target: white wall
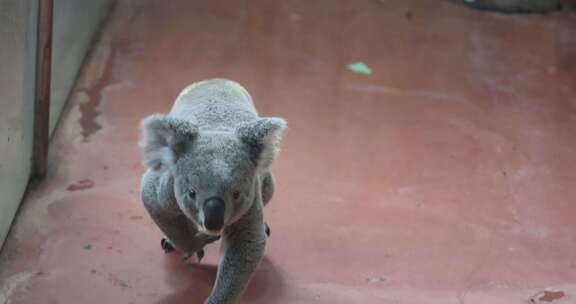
(17, 70)
(75, 24)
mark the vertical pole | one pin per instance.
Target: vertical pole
(42, 93)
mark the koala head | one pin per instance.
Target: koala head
(215, 172)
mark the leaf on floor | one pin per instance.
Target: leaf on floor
(359, 68)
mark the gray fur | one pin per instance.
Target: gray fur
(212, 142)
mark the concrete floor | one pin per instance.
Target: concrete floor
(446, 176)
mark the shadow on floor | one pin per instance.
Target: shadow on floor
(265, 287)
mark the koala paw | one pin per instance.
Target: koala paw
(199, 255)
(166, 245)
(267, 229)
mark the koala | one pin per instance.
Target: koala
(208, 177)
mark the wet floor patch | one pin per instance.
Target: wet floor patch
(547, 296)
(81, 185)
(89, 111)
(12, 285)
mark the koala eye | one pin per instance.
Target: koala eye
(192, 194)
(236, 195)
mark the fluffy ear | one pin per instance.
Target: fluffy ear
(262, 138)
(164, 139)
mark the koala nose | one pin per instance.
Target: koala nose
(214, 213)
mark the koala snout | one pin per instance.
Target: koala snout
(214, 214)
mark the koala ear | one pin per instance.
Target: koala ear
(262, 137)
(164, 139)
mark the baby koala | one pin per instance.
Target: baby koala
(208, 176)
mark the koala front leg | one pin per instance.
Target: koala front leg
(158, 197)
(180, 234)
(242, 249)
(177, 231)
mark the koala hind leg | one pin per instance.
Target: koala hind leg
(268, 186)
(267, 229)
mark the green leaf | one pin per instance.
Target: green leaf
(359, 68)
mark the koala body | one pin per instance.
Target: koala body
(208, 176)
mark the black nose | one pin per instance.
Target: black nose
(214, 213)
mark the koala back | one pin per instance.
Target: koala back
(214, 104)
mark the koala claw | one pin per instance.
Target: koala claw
(267, 230)
(186, 256)
(166, 245)
(200, 255)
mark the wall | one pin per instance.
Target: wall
(17, 70)
(75, 26)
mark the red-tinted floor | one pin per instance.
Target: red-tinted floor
(446, 176)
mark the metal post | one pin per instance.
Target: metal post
(42, 94)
